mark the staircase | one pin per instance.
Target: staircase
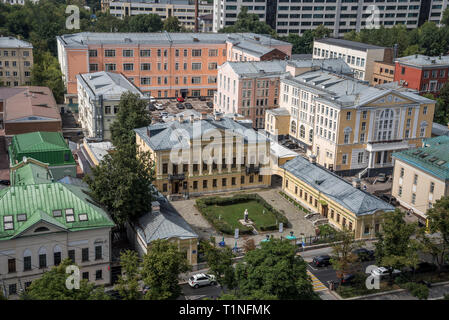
(363, 172)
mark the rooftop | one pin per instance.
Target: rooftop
(335, 188)
(419, 60)
(278, 111)
(336, 65)
(439, 129)
(258, 68)
(433, 158)
(108, 84)
(348, 44)
(10, 42)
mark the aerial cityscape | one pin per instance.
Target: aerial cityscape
(201, 151)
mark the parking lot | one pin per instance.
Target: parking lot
(170, 106)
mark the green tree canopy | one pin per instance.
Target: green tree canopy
(46, 72)
(143, 23)
(249, 22)
(172, 24)
(128, 283)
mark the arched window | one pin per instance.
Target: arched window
(27, 260)
(302, 131)
(293, 127)
(41, 229)
(57, 255)
(42, 257)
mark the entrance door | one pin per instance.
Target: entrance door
(176, 187)
(324, 210)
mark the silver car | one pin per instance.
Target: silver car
(202, 279)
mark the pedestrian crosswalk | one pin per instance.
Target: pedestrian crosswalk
(317, 284)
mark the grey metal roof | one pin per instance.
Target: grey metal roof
(10, 42)
(439, 129)
(335, 188)
(336, 65)
(258, 68)
(419, 60)
(165, 224)
(348, 44)
(165, 136)
(278, 111)
(82, 39)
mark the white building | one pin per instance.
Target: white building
(359, 56)
(98, 98)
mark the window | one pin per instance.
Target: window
(57, 258)
(223, 182)
(196, 52)
(233, 181)
(413, 198)
(242, 180)
(98, 252)
(145, 66)
(432, 187)
(145, 53)
(402, 172)
(195, 185)
(400, 191)
(348, 115)
(110, 67)
(8, 223)
(85, 275)
(82, 217)
(128, 53)
(196, 66)
(92, 53)
(128, 66)
(204, 184)
(69, 216)
(11, 265)
(71, 255)
(42, 260)
(85, 254)
(424, 110)
(109, 53)
(415, 179)
(344, 159)
(366, 230)
(98, 275)
(93, 67)
(22, 217)
(27, 263)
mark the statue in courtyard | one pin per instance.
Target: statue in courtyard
(245, 215)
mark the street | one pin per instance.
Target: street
(189, 293)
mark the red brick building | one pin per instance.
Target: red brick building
(422, 73)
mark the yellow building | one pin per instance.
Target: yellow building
(16, 62)
(277, 123)
(208, 155)
(351, 126)
(323, 192)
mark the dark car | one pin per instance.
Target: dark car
(321, 261)
(5, 182)
(151, 107)
(389, 199)
(209, 104)
(347, 279)
(188, 105)
(180, 106)
(364, 254)
(292, 146)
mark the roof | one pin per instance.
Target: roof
(100, 149)
(336, 65)
(32, 103)
(439, 129)
(83, 39)
(165, 224)
(10, 42)
(26, 173)
(165, 136)
(258, 68)
(280, 151)
(48, 147)
(108, 84)
(419, 60)
(335, 188)
(433, 158)
(39, 198)
(348, 44)
(278, 111)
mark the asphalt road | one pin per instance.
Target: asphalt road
(189, 293)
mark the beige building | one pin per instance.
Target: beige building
(421, 175)
(333, 198)
(16, 62)
(383, 72)
(351, 126)
(213, 154)
(277, 123)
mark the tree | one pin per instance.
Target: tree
(417, 290)
(128, 284)
(161, 268)
(395, 248)
(46, 73)
(144, 23)
(220, 264)
(132, 114)
(343, 260)
(438, 222)
(442, 105)
(249, 245)
(273, 272)
(249, 22)
(52, 286)
(172, 24)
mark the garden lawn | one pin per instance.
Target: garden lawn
(234, 212)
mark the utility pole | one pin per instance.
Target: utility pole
(196, 16)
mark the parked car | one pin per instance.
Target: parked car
(152, 99)
(5, 182)
(389, 198)
(381, 177)
(424, 267)
(383, 272)
(364, 254)
(188, 105)
(151, 107)
(202, 98)
(209, 104)
(347, 279)
(159, 106)
(202, 279)
(321, 261)
(292, 146)
(180, 99)
(163, 114)
(180, 106)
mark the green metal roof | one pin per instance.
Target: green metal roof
(48, 147)
(433, 158)
(38, 198)
(30, 174)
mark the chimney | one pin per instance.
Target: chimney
(181, 118)
(217, 116)
(155, 207)
(356, 183)
(312, 159)
(192, 118)
(203, 115)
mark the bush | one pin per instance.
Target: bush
(417, 290)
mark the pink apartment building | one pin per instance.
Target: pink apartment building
(249, 88)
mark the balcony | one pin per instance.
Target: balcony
(174, 177)
(252, 169)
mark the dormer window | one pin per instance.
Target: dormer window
(57, 213)
(69, 216)
(8, 223)
(21, 217)
(82, 217)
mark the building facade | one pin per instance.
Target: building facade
(422, 73)
(335, 199)
(383, 72)
(44, 222)
(184, 10)
(232, 162)
(421, 175)
(99, 95)
(16, 62)
(350, 126)
(277, 123)
(249, 89)
(163, 65)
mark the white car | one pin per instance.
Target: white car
(382, 272)
(202, 279)
(152, 99)
(159, 106)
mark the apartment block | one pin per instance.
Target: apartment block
(422, 73)
(99, 95)
(184, 10)
(16, 62)
(163, 65)
(340, 16)
(350, 126)
(249, 88)
(229, 161)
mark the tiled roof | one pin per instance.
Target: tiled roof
(433, 158)
(348, 44)
(335, 188)
(10, 42)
